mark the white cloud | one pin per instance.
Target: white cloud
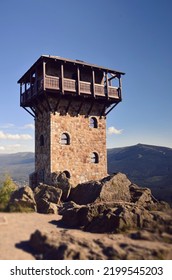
(29, 125)
(2, 148)
(112, 130)
(7, 125)
(14, 136)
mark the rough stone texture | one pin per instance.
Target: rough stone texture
(46, 195)
(74, 245)
(111, 188)
(141, 196)
(107, 217)
(22, 200)
(60, 180)
(75, 157)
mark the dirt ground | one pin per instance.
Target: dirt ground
(17, 227)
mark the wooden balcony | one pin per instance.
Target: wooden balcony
(54, 84)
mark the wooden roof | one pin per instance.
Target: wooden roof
(46, 58)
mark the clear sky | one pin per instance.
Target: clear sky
(133, 36)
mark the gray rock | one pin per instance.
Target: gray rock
(45, 195)
(75, 245)
(60, 180)
(109, 189)
(142, 196)
(22, 200)
(107, 217)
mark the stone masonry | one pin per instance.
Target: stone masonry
(75, 158)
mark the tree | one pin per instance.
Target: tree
(6, 189)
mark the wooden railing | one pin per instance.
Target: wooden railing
(99, 90)
(51, 83)
(85, 87)
(69, 85)
(113, 92)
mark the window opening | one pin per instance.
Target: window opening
(65, 139)
(41, 140)
(94, 158)
(93, 122)
(67, 174)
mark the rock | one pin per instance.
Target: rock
(74, 245)
(142, 196)
(111, 188)
(60, 180)
(22, 200)
(47, 198)
(107, 217)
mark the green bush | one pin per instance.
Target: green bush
(7, 187)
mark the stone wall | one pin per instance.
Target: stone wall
(75, 157)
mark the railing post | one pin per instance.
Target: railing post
(120, 86)
(107, 86)
(62, 78)
(93, 82)
(44, 71)
(78, 80)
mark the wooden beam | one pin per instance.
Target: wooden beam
(93, 82)
(78, 80)
(91, 107)
(68, 106)
(62, 78)
(103, 110)
(57, 104)
(111, 108)
(107, 86)
(44, 73)
(29, 112)
(80, 106)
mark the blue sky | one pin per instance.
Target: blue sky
(134, 36)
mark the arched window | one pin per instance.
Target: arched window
(41, 140)
(93, 122)
(67, 174)
(65, 139)
(94, 158)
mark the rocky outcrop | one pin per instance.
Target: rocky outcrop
(75, 245)
(22, 200)
(111, 188)
(107, 217)
(59, 180)
(47, 198)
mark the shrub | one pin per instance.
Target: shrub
(7, 187)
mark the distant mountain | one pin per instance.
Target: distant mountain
(18, 166)
(146, 165)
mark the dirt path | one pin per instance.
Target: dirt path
(17, 227)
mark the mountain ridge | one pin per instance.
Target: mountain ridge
(146, 165)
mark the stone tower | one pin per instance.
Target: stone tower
(69, 100)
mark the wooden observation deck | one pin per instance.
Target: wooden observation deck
(69, 79)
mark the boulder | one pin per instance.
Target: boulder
(142, 196)
(75, 245)
(107, 217)
(111, 188)
(47, 197)
(22, 200)
(60, 180)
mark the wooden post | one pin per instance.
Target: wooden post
(107, 86)
(78, 80)
(62, 78)
(120, 86)
(93, 82)
(44, 74)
